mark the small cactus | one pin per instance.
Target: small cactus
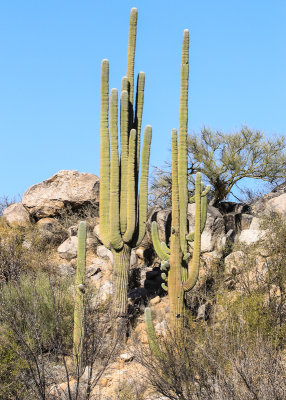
(78, 332)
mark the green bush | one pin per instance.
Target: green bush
(38, 309)
(11, 369)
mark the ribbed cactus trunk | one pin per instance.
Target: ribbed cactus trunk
(175, 288)
(123, 202)
(120, 280)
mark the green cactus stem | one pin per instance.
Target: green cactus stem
(160, 250)
(164, 287)
(152, 339)
(123, 202)
(182, 274)
(78, 333)
(165, 248)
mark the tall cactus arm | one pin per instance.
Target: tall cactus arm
(143, 191)
(194, 265)
(156, 243)
(192, 278)
(151, 334)
(139, 111)
(123, 159)
(176, 209)
(115, 236)
(131, 53)
(78, 332)
(190, 237)
(165, 248)
(206, 191)
(125, 84)
(131, 195)
(105, 156)
(204, 200)
(182, 148)
(204, 205)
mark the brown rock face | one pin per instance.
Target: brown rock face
(72, 188)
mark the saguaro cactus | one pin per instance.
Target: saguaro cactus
(123, 204)
(78, 332)
(183, 273)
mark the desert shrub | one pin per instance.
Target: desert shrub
(11, 367)
(36, 317)
(24, 248)
(130, 390)
(252, 313)
(70, 216)
(13, 258)
(32, 307)
(219, 365)
(261, 283)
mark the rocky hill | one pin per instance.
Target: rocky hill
(234, 258)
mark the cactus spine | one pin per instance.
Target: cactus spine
(183, 273)
(123, 204)
(78, 332)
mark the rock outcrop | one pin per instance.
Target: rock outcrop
(65, 188)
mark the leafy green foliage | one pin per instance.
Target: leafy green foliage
(226, 159)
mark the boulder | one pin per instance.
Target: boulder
(133, 258)
(68, 249)
(255, 223)
(245, 221)
(126, 357)
(104, 292)
(233, 263)
(96, 232)
(102, 264)
(65, 270)
(273, 201)
(251, 236)
(214, 229)
(103, 252)
(92, 270)
(48, 224)
(65, 188)
(278, 204)
(16, 214)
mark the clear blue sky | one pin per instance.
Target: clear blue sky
(50, 55)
